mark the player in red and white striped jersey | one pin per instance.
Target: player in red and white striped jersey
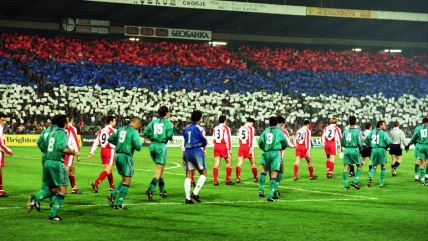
(247, 141)
(73, 143)
(302, 141)
(3, 149)
(107, 152)
(331, 135)
(222, 149)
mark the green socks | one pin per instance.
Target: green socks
(279, 177)
(345, 179)
(44, 193)
(161, 184)
(272, 187)
(416, 169)
(262, 182)
(117, 189)
(122, 194)
(422, 175)
(357, 175)
(382, 176)
(153, 184)
(56, 205)
(372, 172)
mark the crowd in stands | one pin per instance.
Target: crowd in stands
(93, 77)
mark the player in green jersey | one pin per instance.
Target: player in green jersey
(417, 162)
(42, 143)
(127, 140)
(420, 139)
(159, 131)
(379, 141)
(272, 141)
(352, 143)
(54, 169)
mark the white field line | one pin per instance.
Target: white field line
(177, 165)
(209, 202)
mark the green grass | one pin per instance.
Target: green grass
(314, 210)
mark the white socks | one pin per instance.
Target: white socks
(199, 184)
(187, 187)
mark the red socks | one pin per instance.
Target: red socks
(238, 173)
(193, 176)
(228, 173)
(1, 183)
(296, 171)
(311, 170)
(110, 180)
(254, 170)
(72, 179)
(215, 174)
(329, 166)
(100, 178)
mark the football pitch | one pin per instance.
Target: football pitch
(314, 210)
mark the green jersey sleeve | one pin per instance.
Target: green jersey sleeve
(148, 132)
(136, 141)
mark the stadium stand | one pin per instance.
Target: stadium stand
(132, 78)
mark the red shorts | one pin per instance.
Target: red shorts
(302, 152)
(68, 160)
(107, 156)
(245, 152)
(330, 148)
(1, 159)
(221, 151)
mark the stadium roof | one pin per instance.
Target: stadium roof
(236, 22)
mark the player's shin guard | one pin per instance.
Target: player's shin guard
(110, 180)
(422, 175)
(44, 193)
(238, 173)
(273, 185)
(345, 179)
(56, 205)
(161, 184)
(296, 171)
(279, 177)
(357, 175)
(122, 194)
(382, 176)
(254, 170)
(215, 174)
(372, 172)
(199, 184)
(187, 187)
(153, 184)
(262, 182)
(101, 178)
(228, 173)
(117, 189)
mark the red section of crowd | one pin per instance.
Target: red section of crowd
(343, 61)
(70, 50)
(66, 49)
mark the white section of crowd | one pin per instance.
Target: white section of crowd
(23, 100)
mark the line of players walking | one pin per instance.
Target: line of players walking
(59, 146)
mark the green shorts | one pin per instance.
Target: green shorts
(416, 153)
(378, 156)
(54, 174)
(422, 150)
(272, 160)
(351, 156)
(124, 165)
(158, 152)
